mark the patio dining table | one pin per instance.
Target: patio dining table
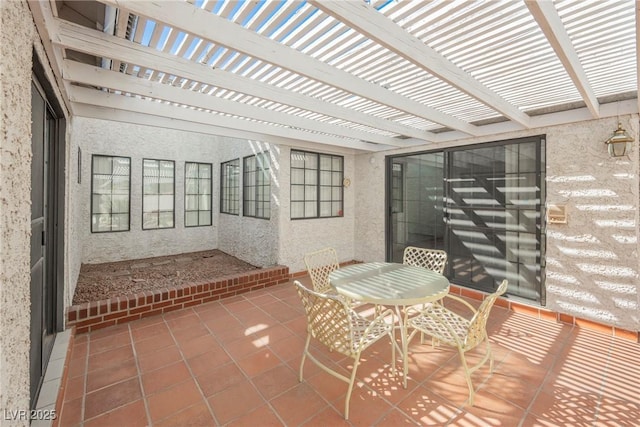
(390, 284)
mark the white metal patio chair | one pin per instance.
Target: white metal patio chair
(445, 326)
(431, 259)
(319, 265)
(332, 322)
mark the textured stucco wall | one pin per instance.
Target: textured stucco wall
(74, 210)
(138, 142)
(593, 261)
(369, 189)
(253, 240)
(16, 41)
(306, 235)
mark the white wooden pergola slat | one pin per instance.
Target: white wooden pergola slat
(367, 20)
(95, 76)
(213, 28)
(131, 103)
(431, 71)
(87, 40)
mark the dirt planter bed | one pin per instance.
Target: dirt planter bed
(94, 315)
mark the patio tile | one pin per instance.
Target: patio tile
(427, 408)
(617, 412)
(491, 408)
(109, 342)
(72, 412)
(366, 407)
(173, 399)
(288, 348)
(220, 378)
(165, 377)
(182, 322)
(112, 397)
(237, 363)
(131, 415)
(100, 378)
(328, 417)
(197, 415)
(577, 406)
(263, 416)
(245, 346)
(258, 362)
(141, 332)
(235, 401)
(187, 334)
(298, 404)
(75, 387)
(110, 358)
(154, 343)
(159, 358)
(275, 381)
(199, 345)
(252, 316)
(208, 361)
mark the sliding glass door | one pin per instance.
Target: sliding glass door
(482, 204)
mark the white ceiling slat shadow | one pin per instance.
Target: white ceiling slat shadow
(365, 75)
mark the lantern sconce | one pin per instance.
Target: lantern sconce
(619, 143)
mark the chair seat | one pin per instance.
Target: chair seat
(442, 324)
(362, 337)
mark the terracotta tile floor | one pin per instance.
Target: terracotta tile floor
(235, 363)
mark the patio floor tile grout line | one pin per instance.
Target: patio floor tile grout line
(145, 401)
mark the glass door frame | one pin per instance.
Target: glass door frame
(540, 169)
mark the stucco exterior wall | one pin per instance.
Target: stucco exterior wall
(16, 41)
(592, 262)
(369, 191)
(139, 142)
(74, 211)
(254, 240)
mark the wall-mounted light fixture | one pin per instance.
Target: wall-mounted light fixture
(619, 143)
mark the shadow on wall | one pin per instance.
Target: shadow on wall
(592, 260)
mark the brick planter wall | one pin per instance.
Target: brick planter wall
(113, 311)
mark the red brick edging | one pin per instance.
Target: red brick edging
(94, 315)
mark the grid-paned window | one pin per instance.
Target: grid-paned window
(110, 193)
(257, 186)
(230, 187)
(158, 191)
(316, 185)
(197, 194)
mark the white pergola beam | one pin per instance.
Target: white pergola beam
(131, 103)
(82, 39)
(121, 116)
(99, 77)
(43, 16)
(546, 15)
(198, 22)
(368, 21)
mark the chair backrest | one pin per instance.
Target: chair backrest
(478, 324)
(328, 319)
(431, 259)
(319, 264)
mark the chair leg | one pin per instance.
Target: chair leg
(490, 355)
(304, 355)
(467, 375)
(347, 399)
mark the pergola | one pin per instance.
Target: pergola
(362, 75)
